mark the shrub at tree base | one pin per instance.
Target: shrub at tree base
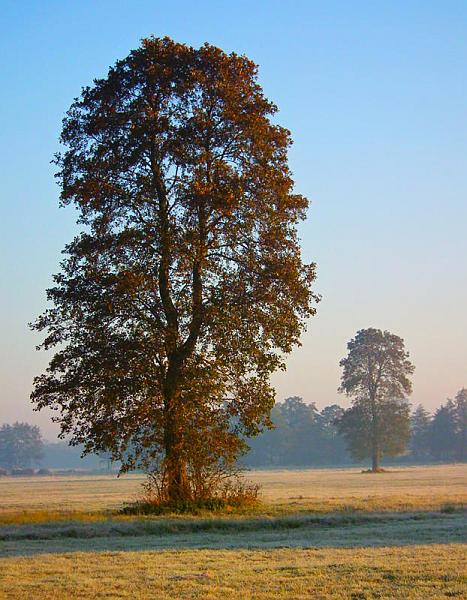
(234, 493)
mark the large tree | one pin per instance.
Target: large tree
(375, 376)
(301, 430)
(186, 287)
(21, 445)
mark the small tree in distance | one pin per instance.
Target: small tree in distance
(186, 287)
(460, 424)
(448, 429)
(376, 377)
(21, 445)
(443, 433)
(420, 422)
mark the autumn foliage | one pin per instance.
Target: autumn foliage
(186, 288)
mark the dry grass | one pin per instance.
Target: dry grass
(416, 572)
(329, 534)
(404, 488)
(41, 499)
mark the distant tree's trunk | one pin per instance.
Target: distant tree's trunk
(375, 460)
(375, 447)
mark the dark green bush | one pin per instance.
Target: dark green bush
(181, 506)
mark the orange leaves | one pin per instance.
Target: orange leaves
(188, 287)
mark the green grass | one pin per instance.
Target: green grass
(336, 530)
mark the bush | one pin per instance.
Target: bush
(144, 507)
(239, 493)
(22, 472)
(44, 472)
(232, 493)
(452, 508)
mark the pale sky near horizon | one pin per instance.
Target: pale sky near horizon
(375, 96)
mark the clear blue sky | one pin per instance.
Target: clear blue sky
(375, 96)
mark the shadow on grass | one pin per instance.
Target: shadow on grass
(303, 531)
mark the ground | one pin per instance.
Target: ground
(317, 534)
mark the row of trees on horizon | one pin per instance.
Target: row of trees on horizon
(302, 436)
(305, 436)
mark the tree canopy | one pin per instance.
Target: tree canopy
(186, 287)
(21, 445)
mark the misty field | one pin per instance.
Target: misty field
(316, 534)
(26, 499)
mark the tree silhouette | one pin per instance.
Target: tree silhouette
(376, 376)
(21, 445)
(420, 433)
(460, 423)
(443, 433)
(186, 287)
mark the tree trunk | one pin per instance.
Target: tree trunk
(178, 487)
(375, 448)
(375, 460)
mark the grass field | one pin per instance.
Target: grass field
(283, 491)
(317, 534)
(397, 573)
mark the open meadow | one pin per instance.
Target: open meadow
(316, 534)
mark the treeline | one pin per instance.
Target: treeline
(302, 436)
(443, 436)
(305, 436)
(23, 451)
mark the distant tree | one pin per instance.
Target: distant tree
(186, 288)
(301, 436)
(21, 445)
(448, 430)
(332, 446)
(443, 433)
(329, 416)
(375, 432)
(301, 421)
(460, 423)
(376, 377)
(271, 446)
(420, 422)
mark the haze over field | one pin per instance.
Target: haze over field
(375, 100)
